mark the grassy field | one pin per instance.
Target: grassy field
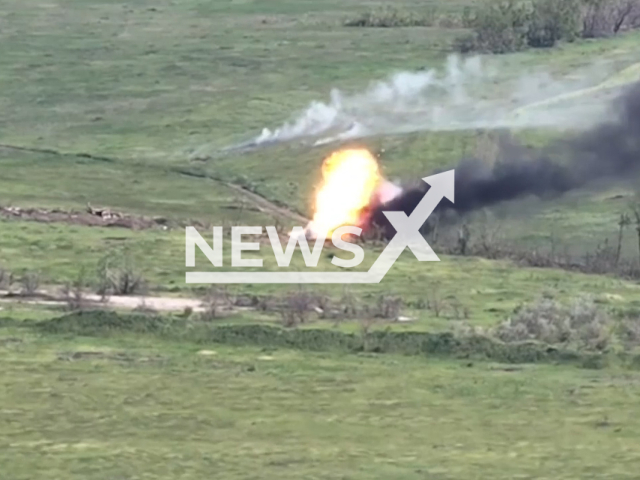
(490, 290)
(147, 84)
(127, 106)
(136, 407)
(107, 104)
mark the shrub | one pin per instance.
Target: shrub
(505, 26)
(388, 17)
(466, 43)
(499, 27)
(629, 332)
(266, 303)
(552, 21)
(6, 279)
(117, 275)
(215, 300)
(387, 307)
(582, 324)
(30, 282)
(296, 307)
(73, 293)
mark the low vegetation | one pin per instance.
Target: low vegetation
(546, 330)
(118, 275)
(502, 26)
(391, 16)
(74, 292)
(29, 283)
(387, 17)
(487, 241)
(437, 372)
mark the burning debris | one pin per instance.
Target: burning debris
(351, 184)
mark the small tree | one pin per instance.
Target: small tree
(501, 27)
(73, 292)
(117, 275)
(608, 17)
(30, 282)
(553, 20)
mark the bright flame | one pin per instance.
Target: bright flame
(350, 179)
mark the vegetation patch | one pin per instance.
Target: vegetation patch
(470, 345)
(388, 17)
(501, 26)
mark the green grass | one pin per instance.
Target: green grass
(72, 183)
(147, 83)
(124, 95)
(489, 289)
(159, 409)
(150, 83)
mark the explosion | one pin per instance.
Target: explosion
(351, 184)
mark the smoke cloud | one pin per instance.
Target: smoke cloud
(462, 96)
(608, 151)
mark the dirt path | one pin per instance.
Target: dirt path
(124, 220)
(269, 207)
(623, 78)
(116, 302)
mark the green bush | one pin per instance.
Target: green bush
(442, 344)
(552, 21)
(505, 26)
(388, 17)
(499, 27)
(117, 275)
(99, 323)
(581, 324)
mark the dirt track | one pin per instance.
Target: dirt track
(161, 304)
(269, 207)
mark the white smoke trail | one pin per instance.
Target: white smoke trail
(466, 95)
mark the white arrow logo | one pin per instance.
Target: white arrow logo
(407, 235)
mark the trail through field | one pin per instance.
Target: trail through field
(267, 206)
(133, 302)
(107, 217)
(623, 78)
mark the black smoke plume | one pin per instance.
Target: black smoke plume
(608, 151)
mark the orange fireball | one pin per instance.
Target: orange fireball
(350, 180)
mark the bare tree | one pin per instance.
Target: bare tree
(606, 17)
(73, 292)
(623, 10)
(636, 214)
(623, 222)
